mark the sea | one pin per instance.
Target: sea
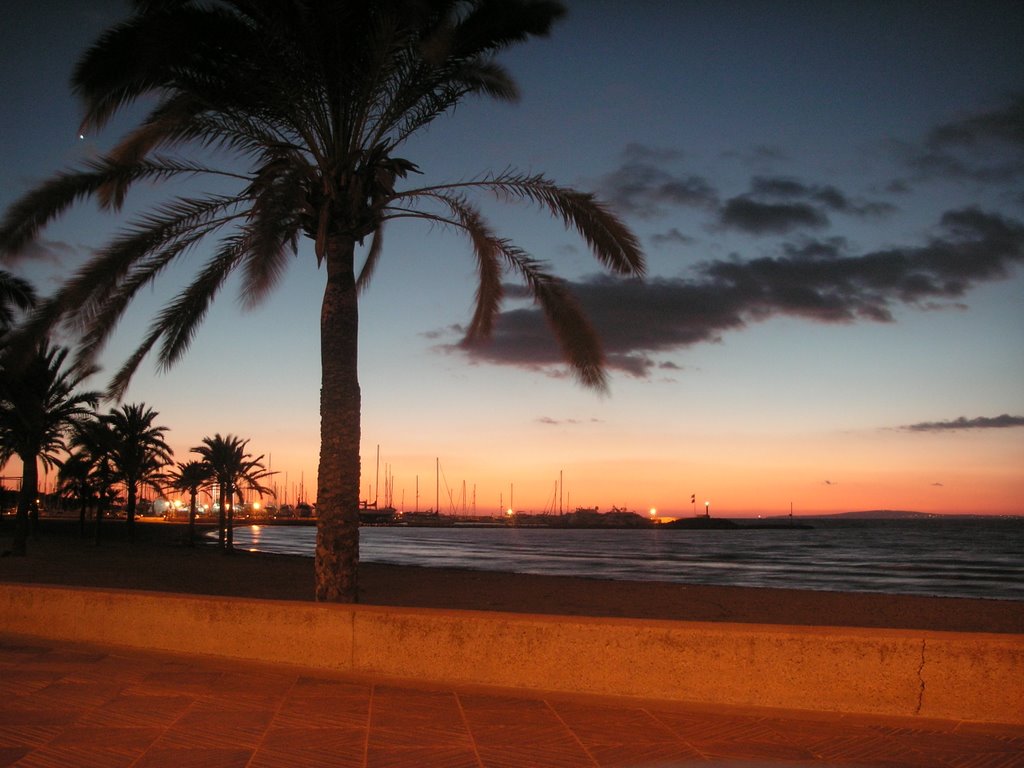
(952, 557)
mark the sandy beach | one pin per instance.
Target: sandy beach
(159, 560)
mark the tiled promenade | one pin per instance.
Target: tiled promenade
(64, 705)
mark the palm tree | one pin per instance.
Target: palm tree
(138, 452)
(234, 470)
(93, 443)
(189, 477)
(14, 293)
(311, 102)
(76, 480)
(39, 405)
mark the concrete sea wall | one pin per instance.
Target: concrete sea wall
(947, 675)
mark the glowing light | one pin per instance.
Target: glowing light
(256, 506)
(654, 512)
(509, 512)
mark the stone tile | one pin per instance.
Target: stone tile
(419, 757)
(78, 756)
(195, 758)
(313, 747)
(11, 755)
(607, 725)
(69, 706)
(322, 711)
(138, 711)
(206, 727)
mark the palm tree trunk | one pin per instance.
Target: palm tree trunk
(130, 505)
(229, 542)
(26, 498)
(221, 519)
(192, 519)
(337, 498)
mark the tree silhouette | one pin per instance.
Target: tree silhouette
(88, 470)
(234, 470)
(310, 104)
(189, 477)
(138, 452)
(39, 405)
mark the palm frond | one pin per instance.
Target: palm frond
(178, 321)
(15, 293)
(487, 249)
(372, 258)
(611, 241)
(103, 178)
(577, 338)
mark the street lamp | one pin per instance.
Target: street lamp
(707, 509)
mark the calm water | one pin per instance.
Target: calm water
(956, 558)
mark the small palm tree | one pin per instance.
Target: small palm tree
(92, 445)
(76, 480)
(189, 477)
(233, 470)
(39, 406)
(138, 452)
(312, 103)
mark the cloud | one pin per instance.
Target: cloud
(1005, 124)
(758, 218)
(642, 187)
(673, 236)
(549, 421)
(820, 280)
(984, 147)
(828, 196)
(781, 204)
(981, 422)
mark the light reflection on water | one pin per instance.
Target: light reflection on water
(955, 558)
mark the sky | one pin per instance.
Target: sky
(830, 198)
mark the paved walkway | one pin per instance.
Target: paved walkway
(69, 705)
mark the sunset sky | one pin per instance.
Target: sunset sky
(830, 197)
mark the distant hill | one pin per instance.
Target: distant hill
(879, 514)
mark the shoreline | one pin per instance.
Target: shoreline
(159, 561)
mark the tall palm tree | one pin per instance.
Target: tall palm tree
(189, 477)
(39, 405)
(311, 102)
(138, 452)
(234, 470)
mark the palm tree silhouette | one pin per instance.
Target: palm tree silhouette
(234, 470)
(310, 102)
(88, 470)
(189, 477)
(39, 405)
(76, 479)
(138, 453)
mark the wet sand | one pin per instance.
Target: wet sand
(159, 560)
